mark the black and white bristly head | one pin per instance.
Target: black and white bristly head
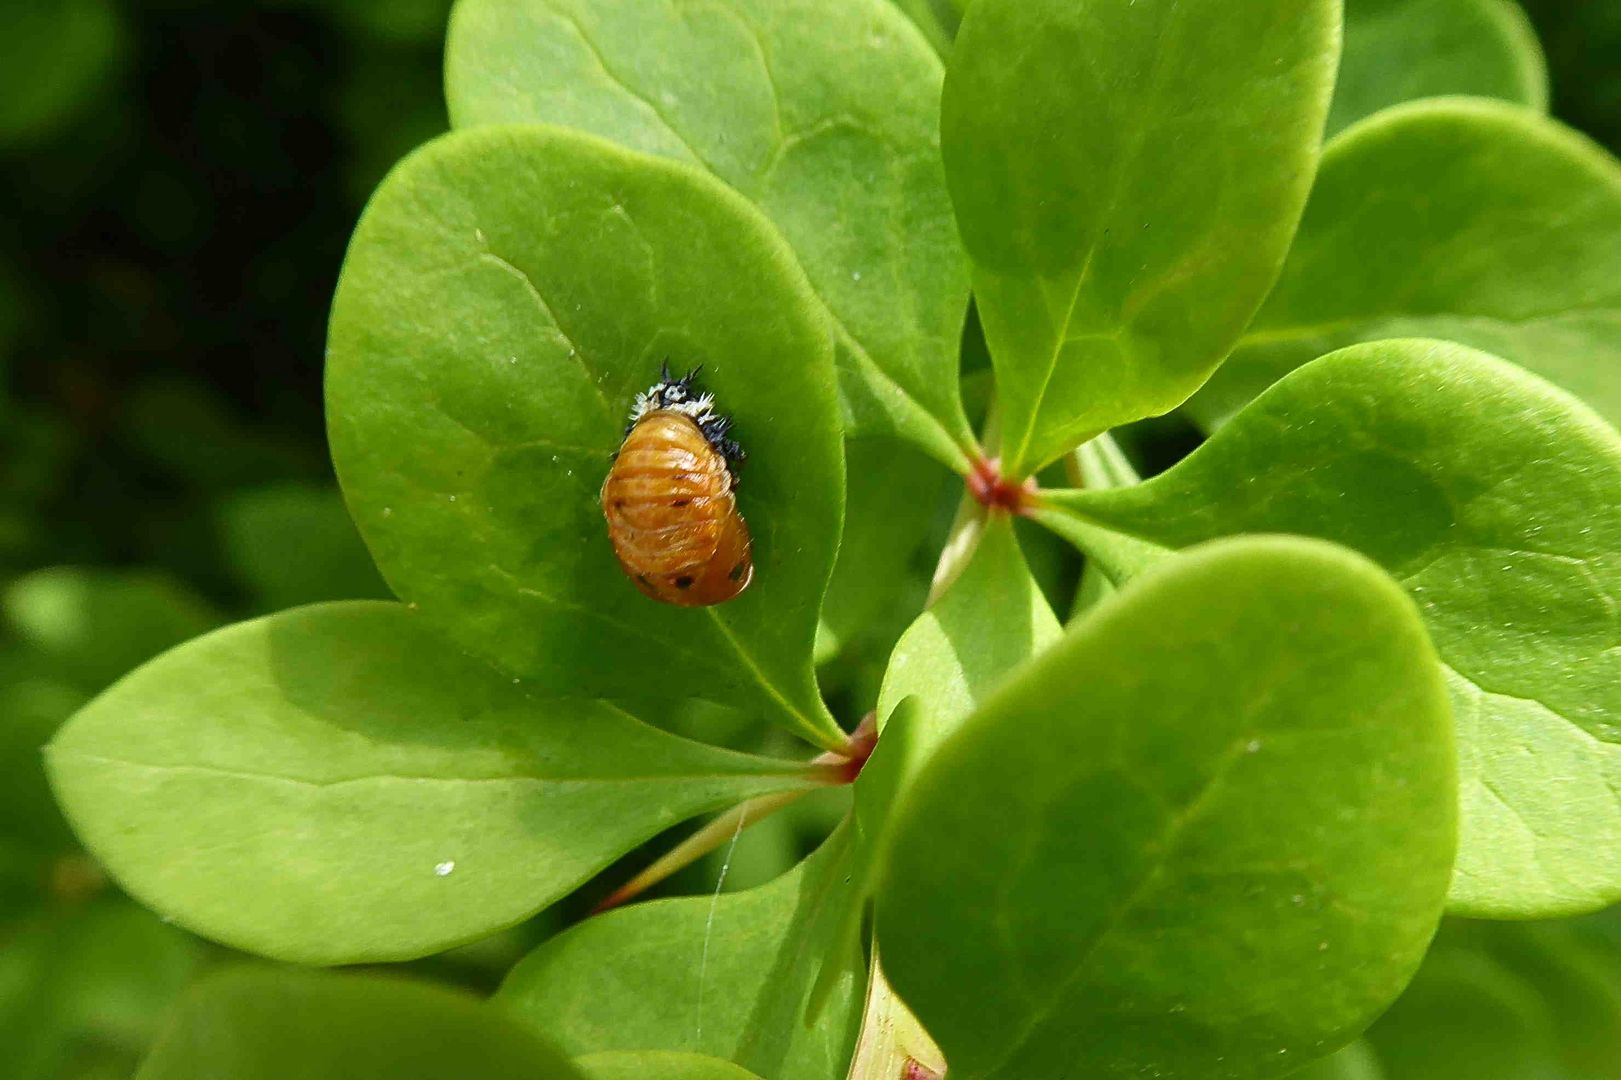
(683, 396)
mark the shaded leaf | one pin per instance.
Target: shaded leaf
(727, 976)
(989, 621)
(1468, 220)
(892, 497)
(334, 784)
(1354, 1062)
(1495, 499)
(1127, 177)
(1501, 1000)
(264, 527)
(823, 113)
(94, 981)
(1241, 763)
(658, 1065)
(506, 295)
(1399, 50)
(270, 1024)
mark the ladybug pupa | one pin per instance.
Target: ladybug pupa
(672, 516)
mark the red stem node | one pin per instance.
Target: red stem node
(995, 491)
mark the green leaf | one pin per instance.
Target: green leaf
(33, 704)
(334, 785)
(822, 113)
(1207, 834)
(262, 1024)
(936, 19)
(658, 1065)
(1127, 177)
(94, 625)
(1399, 50)
(261, 526)
(93, 981)
(1467, 220)
(1496, 500)
(1354, 1062)
(989, 621)
(728, 975)
(892, 498)
(1468, 1017)
(506, 295)
(1508, 1000)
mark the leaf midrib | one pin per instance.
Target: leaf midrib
(794, 777)
(1165, 844)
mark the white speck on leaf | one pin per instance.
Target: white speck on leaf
(1252, 746)
(444, 868)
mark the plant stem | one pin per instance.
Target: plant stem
(840, 767)
(893, 1044)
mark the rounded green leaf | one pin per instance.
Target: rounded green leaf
(730, 975)
(658, 1065)
(1127, 176)
(1399, 50)
(334, 784)
(1208, 834)
(1468, 220)
(1495, 499)
(822, 113)
(273, 1024)
(507, 294)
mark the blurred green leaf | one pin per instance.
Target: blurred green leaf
(293, 544)
(56, 58)
(87, 984)
(1468, 220)
(187, 430)
(1135, 852)
(94, 625)
(507, 294)
(1496, 500)
(261, 1024)
(334, 784)
(1468, 1017)
(724, 975)
(1127, 178)
(1399, 50)
(823, 113)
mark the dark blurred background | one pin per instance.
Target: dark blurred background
(178, 180)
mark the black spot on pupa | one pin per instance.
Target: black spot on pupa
(736, 573)
(681, 502)
(684, 582)
(643, 579)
